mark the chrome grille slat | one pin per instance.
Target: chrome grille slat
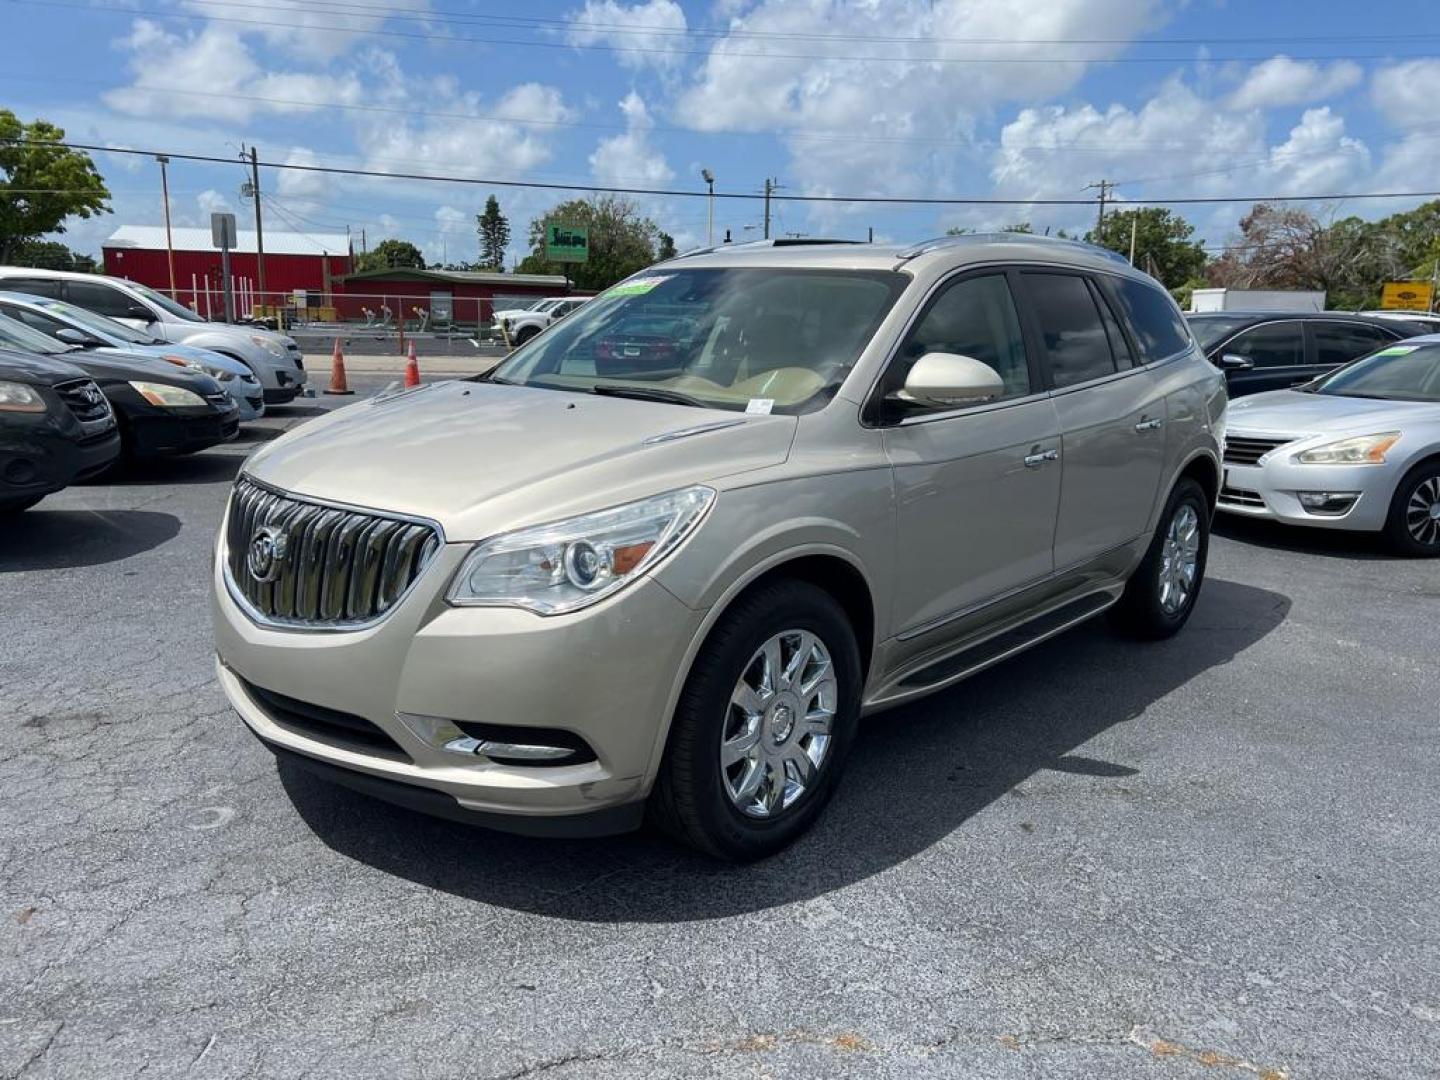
(342, 568)
(1248, 450)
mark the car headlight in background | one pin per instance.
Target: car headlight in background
(168, 397)
(1359, 450)
(273, 347)
(17, 397)
(217, 373)
(568, 565)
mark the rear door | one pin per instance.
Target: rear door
(1335, 342)
(1111, 412)
(1276, 354)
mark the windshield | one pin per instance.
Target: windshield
(1208, 330)
(724, 338)
(97, 324)
(1398, 373)
(161, 300)
(20, 336)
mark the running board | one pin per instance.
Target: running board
(983, 654)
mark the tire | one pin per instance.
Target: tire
(1409, 527)
(525, 334)
(1146, 610)
(18, 506)
(702, 803)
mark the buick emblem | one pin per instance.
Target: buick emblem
(267, 553)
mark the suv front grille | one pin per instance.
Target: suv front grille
(1243, 450)
(327, 567)
(84, 399)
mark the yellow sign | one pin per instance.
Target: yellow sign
(1406, 296)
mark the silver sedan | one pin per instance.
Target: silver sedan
(1356, 449)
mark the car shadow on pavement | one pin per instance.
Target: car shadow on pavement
(43, 539)
(1336, 543)
(212, 467)
(916, 774)
(293, 412)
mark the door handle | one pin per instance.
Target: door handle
(1040, 457)
(1149, 425)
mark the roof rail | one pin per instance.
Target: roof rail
(783, 241)
(963, 239)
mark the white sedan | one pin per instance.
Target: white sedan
(1356, 449)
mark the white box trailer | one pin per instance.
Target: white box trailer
(1256, 300)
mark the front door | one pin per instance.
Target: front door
(976, 488)
(1275, 353)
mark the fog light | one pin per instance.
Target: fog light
(504, 744)
(21, 471)
(1327, 502)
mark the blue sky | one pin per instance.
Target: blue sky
(939, 98)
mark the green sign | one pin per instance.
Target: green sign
(566, 243)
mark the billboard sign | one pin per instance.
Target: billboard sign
(1406, 295)
(566, 243)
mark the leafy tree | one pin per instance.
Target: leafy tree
(667, 247)
(51, 255)
(42, 184)
(389, 254)
(1162, 242)
(494, 230)
(622, 241)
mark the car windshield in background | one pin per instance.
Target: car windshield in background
(97, 324)
(1209, 330)
(165, 302)
(1396, 373)
(19, 336)
(721, 338)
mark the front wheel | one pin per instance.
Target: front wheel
(524, 334)
(1414, 523)
(763, 724)
(1161, 593)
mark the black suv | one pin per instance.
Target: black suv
(55, 428)
(1274, 350)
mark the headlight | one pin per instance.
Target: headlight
(568, 565)
(273, 347)
(1360, 450)
(168, 397)
(216, 373)
(17, 397)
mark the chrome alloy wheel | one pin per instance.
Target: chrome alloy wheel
(778, 728)
(1180, 559)
(1422, 512)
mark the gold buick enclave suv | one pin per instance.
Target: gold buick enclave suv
(664, 558)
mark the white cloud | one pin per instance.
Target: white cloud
(302, 29)
(630, 159)
(644, 35)
(1283, 81)
(1406, 93)
(299, 184)
(210, 202)
(454, 239)
(1317, 157)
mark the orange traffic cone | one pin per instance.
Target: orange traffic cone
(412, 368)
(338, 384)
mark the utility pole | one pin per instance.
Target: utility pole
(770, 186)
(1104, 186)
(259, 233)
(169, 243)
(1134, 229)
(709, 178)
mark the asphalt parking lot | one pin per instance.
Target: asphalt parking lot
(1210, 857)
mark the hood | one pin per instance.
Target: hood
(36, 370)
(123, 365)
(482, 458)
(1290, 412)
(515, 313)
(189, 353)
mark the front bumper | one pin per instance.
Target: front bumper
(45, 460)
(283, 377)
(248, 396)
(1271, 490)
(160, 432)
(608, 674)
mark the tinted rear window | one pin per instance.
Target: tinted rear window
(1153, 317)
(1076, 344)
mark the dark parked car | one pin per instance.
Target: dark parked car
(1274, 350)
(160, 408)
(55, 428)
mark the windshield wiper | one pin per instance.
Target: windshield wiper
(650, 393)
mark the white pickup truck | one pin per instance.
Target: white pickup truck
(519, 325)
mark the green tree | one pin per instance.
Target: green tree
(391, 253)
(1162, 241)
(51, 255)
(494, 230)
(42, 184)
(622, 241)
(666, 249)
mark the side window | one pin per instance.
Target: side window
(101, 299)
(1339, 343)
(32, 319)
(1076, 344)
(1119, 346)
(34, 286)
(975, 317)
(1278, 344)
(1156, 322)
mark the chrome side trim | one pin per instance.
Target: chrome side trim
(685, 433)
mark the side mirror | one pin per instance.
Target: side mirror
(1231, 362)
(70, 336)
(141, 312)
(948, 380)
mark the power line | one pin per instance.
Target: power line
(682, 193)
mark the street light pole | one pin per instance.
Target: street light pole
(169, 244)
(709, 178)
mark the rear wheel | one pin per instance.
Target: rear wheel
(763, 725)
(1161, 593)
(1414, 523)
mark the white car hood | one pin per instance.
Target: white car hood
(1291, 412)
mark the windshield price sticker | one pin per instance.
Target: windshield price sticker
(1397, 350)
(638, 287)
(760, 406)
